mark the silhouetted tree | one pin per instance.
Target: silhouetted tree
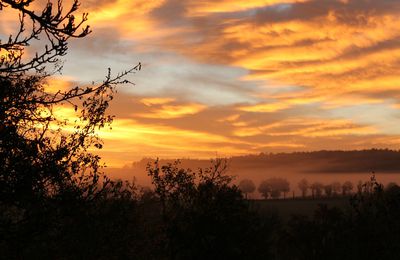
(247, 186)
(38, 157)
(303, 186)
(391, 185)
(274, 187)
(316, 189)
(347, 187)
(48, 177)
(368, 229)
(328, 190)
(284, 186)
(320, 237)
(336, 188)
(52, 27)
(264, 188)
(375, 222)
(359, 187)
(204, 215)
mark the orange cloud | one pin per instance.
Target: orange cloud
(54, 84)
(308, 127)
(206, 7)
(156, 101)
(333, 48)
(265, 108)
(303, 61)
(173, 111)
(163, 108)
(131, 140)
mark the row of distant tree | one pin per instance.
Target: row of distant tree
(276, 187)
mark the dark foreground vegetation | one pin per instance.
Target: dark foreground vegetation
(197, 215)
(56, 204)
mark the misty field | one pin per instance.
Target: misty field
(285, 208)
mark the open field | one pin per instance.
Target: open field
(287, 207)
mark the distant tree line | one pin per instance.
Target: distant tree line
(275, 188)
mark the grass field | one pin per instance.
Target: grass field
(287, 207)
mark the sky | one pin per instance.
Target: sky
(225, 78)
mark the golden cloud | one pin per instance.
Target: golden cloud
(324, 54)
(156, 101)
(206, 7)
(308, 127)
(135, 140)
(168, 111)
(265, 108)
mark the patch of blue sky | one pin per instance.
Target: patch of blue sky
(384, 117)
(281, 7)
(166, 74)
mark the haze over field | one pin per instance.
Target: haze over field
(322, 166)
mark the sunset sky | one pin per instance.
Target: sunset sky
(243, 76)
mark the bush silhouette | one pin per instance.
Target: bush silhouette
(204, 215)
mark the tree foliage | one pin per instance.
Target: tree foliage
(274, 187)
(51, 26)
(247, 186)
(265, 189)
(48, 176)
(316, 189)
(303, 186)
(38, 156)
(367, 229)
(347, 188)
(204, 215)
